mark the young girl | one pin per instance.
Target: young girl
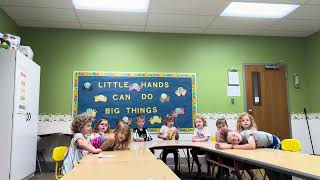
(246, 122)
(201, 134)
(79, 146)
(98, 135)
(120, 139)
(169, 132)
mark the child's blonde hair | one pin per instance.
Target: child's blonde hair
(140, 116)
(252, 125)
(124, 129)
(80, 121)
(221, 121)
(96, 127)
(168, 118)
(202, 118)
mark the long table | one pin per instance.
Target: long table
(284, 162)
(136, 163)
(140, 163)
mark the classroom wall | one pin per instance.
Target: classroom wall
(59, 52)
(7, 24)
(313, 73)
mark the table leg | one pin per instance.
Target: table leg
(188, 159)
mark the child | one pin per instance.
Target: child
(201, 134)
(120, 139)
(140, 133)
(79, 146)
(169, 132)
(98, 135)
(222, 126)
(249, 139)
(246, 122)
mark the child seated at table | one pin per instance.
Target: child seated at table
(140, 133)
(249, 139)
(222, 126)
(120, 139)
(169, 132)
(99, 133)
(79, 146)
(201, 134)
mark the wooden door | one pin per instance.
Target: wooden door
(266, 98)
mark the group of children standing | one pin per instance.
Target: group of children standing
(245, 137)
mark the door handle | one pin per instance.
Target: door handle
(250, 110)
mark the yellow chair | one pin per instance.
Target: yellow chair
(213, 139)
(57, 156)
(293, 145)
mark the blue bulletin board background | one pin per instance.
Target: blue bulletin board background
(124, 95)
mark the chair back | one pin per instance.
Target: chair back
(293, 145)
(213, 139)
(58, 153)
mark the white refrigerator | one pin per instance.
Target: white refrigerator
(19, 107)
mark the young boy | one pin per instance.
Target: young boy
(222, 126)
(140, 133)
(169, 132)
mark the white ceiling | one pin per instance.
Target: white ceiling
(168, 16)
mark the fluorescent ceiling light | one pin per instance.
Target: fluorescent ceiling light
(113, 5)
(258, 10)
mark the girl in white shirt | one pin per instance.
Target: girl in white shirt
(201, 134)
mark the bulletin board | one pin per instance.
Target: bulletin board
(123, 95)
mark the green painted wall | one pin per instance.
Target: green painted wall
(7, 25)
(60, 52)
(313, 73)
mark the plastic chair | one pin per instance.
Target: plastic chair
(160, 157)
(57, 156)
(293, 145)
(213, 139)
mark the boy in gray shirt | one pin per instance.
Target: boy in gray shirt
(249, 139)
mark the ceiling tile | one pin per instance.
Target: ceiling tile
(178, 20)
(287, 33)
(113, 27)
(276, 1)
(48, 14)
(49, 24)
(191, 7)
(241, 23)
(173, 29)
(107, 17)
(305, 12)
(39, 3)
(296, 25)
(233, 31)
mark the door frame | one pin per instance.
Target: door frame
(287, 87)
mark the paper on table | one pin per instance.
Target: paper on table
(105, 156)
(233, 91)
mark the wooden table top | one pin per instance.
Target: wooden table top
(296, 163)
(119, 156)
(124, 170)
